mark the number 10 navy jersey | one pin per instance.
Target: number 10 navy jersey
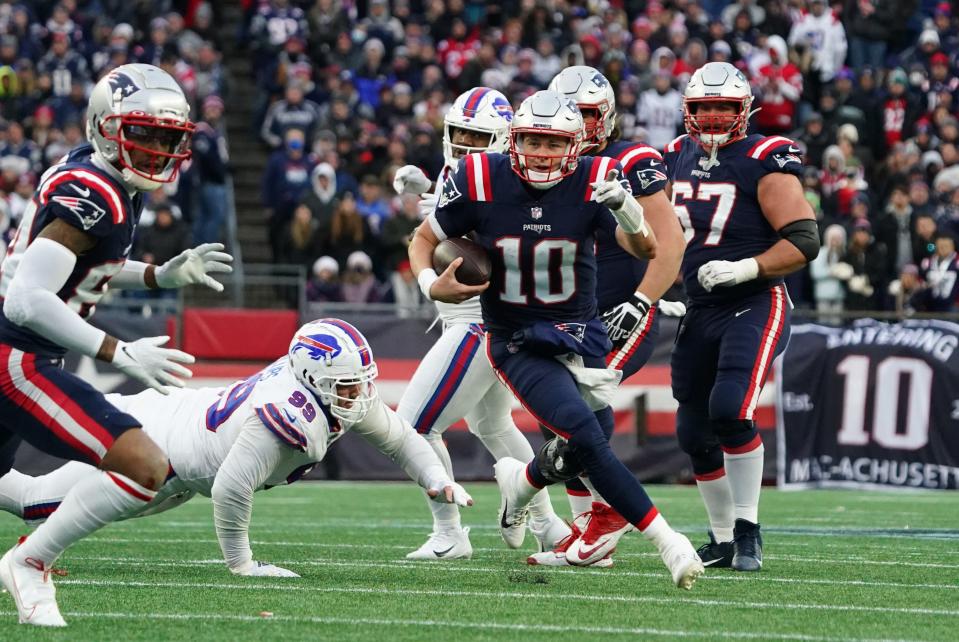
(719, 208)
(540, 242)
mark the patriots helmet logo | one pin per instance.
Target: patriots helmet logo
(450, 192)
(649, 176)
(575, 330)
(86, 210)
(122, 85)
(318, 346)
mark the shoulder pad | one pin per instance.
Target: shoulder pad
(675, 144)
(636, 153)
(84, 198)
(283, 424)
(478, 183)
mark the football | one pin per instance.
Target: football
(476, 268)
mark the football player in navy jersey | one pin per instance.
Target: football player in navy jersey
(747, 225)
(536, 211)
(627, 289)
(73, 240)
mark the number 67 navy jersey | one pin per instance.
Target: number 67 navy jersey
(540, 242)
(718, 206)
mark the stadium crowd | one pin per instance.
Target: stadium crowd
(866, 88)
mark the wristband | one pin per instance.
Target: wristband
(426, 279)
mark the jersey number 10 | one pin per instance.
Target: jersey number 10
(553, 274)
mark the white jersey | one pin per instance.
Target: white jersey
(661, 115)
(468, 311)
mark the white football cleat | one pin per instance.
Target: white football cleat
(28, 581)
(682, 561)
(557, 556)
(452, 544)
(599, 540)
(513, 511)
(549, 533)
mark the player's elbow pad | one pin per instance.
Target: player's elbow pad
(17, 306)
(804, 234)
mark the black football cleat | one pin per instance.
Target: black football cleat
(747, 546)
(716, 554)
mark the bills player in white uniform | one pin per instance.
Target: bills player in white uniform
(455, 380)
(72, 243)
(270, 429)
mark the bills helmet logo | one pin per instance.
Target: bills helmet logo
(318, 346)
(536, 213)
(87, 211)
(650, 176)
(503, 108)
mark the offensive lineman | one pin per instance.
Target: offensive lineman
(270, 429)
(455, 380)
(536, 211)
(748, 225)
(74, 240)
(629, 306)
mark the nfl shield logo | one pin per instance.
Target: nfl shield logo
(536, 213)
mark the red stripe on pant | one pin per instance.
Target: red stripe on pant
(450, 384)
(35, 410)
(758, 376)
(59, 397)
(612, 356)
(130, 489)
(519, 398)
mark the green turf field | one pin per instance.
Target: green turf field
(838, 566)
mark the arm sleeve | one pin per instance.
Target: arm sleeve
(32, 301)
(454, 214)
(251, 460)
(395, 438)
(130, 276)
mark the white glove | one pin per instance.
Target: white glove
(727, 273)
(449, 492)
(895, 288)
(410, 179)
(841, 271)
(671, 308)
(623, 319)
(860, 285)
(427, 204)
(194, 266)
(262, 569)
(147, 362)
(610, 192)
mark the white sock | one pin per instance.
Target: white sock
(718, 499)
(745, 474)
(659, 532)
(13, 487)
(579, 504)
(91, 504)
(45, 493)
(445, 516)
(595, 496)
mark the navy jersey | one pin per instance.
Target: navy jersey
(619, 271)
(941, 277)
(540, 242)
(719, 207)
(90, 199)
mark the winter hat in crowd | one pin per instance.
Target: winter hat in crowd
(359, 261)
(326, 263)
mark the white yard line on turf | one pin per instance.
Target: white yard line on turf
(446, 624)
(631, 599)
(846, 559)
(471, 568)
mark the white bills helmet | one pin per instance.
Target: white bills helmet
(480, 109)
(329, 355)
(546, 113)
(138, 121)
(590, 90)
(717, 82)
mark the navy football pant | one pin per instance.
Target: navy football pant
(548, 391)
(719, 364)
(627, 356)
(53, 410)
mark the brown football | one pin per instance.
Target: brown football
(475, 269)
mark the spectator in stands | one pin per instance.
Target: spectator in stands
(293, 112)
(894, 229)
(19, 145)
(660, 110)
(348, 231)
(299, 242)
(919, 199)
(160, 241)
(211, 75)
(210, 170)
(372, 205)
(20, 198)
(924, 239)
(907, 293)
(397, 231)
(871, 26)
(327, 20)
(359, 283)
(941, 274)
(63, 64)
(321, 197)
(406, 290)
(381, 25)
(829, 274)
(286, 177)
(868, 260)
(372, 75)
(324, 283)
(779, 87)
(900, 108)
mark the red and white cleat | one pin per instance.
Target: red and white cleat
(600, 537)
(28, 581)
(557, 556)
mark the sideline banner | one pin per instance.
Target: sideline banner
(873, 405)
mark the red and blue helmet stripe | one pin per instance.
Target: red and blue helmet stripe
(355, 336)
(474, 100)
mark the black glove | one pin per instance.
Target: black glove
(623, 319)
